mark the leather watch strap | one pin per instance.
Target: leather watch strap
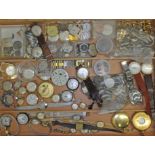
(149, 85)
(143, 89)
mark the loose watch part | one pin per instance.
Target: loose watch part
(92, 50)
(22, 118)
(20, 102)
(75, 106)
(42, 65)
(11, 71)
(22, 90)
(37, 52)
(72, 84)
(141, 121)
(31, 86)
(45, 89)
(147, 68)
(120, 120)
(5, 120)
(83, 47)
(8, 99)
(7, 85)
(32, 99)
(17, 84)
(107, 29)
(35, 121)
(67, 96)
(36, 30)
(134, 68)
(56, 98)
(82, 73)
(100, 124)
(83, 105)
(59, 77)
(41, 115)
(101, 67)
(28, 74)
(46, 75)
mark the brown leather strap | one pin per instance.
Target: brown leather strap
(143, 89)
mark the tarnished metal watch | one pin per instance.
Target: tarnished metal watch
(134, 95)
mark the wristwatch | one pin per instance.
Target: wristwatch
(135, 69)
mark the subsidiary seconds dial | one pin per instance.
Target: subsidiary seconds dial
(59, 77)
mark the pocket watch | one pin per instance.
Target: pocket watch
(120, 120)
(32, 99)
(37, 52)
(31, 86)
(67, 96)
(59, 77)
(22, 118)
(72, 84)
(7, 85)
(82, 73)
(36, 30)
(141, 121)
(45, 89)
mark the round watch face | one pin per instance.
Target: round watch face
(73, 84)
(7, 85)
(31, 86)
(32, 99)
(134, 68)
(5, 120)
(82, 73)
(22, 118)
(11, 70)
(8, 99)
(67, 96)
(37, 52)
(28, 74)
(45, 89)
(147, 68)
(36, 30)
(56, 98)
(101, 67)
(59, 77)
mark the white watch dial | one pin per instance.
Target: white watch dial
(134, 67)
(32, 99)
(82, 73)
(22, 118)
(36, 30)
(11, 70)
(73, 84)
(31, 86)
(37, 52)
(147, 68)
(67, 96)
(59, 77)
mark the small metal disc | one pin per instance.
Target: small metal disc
(41, 115)
(82, 73)
(83, 105)
(22, 118)
(32, 99)
(56, 98)
(22, 90)
(31, 86)
(7, 85)
(100, 124)
(141, 121)
(120, 120)
(75, 106)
